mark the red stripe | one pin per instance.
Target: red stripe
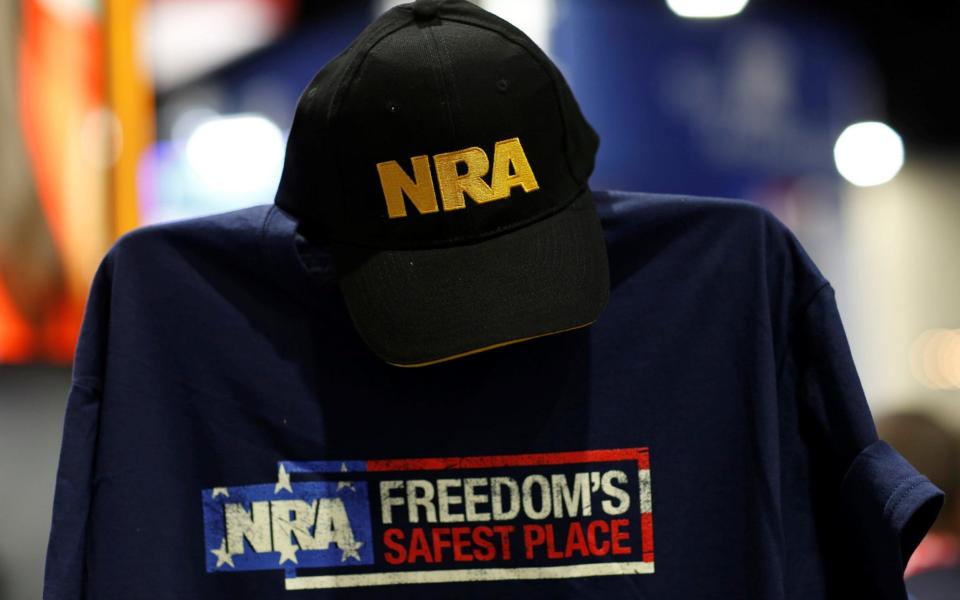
(512, 460)
(646, 534)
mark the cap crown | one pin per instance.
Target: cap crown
(432, 130)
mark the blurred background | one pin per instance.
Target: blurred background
(840, 116)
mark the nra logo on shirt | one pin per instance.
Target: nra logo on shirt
(370, 523)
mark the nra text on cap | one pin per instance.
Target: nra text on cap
(333, 524)
(510, 169)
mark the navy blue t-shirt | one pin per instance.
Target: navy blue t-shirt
(228, 434)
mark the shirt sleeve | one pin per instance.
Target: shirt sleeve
(66, 549)
(889, 506)
(874, 507)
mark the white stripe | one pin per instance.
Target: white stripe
(319, 582)
(646, 495)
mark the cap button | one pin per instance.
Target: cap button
(426, 9)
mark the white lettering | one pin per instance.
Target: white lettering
(333, 525)
(254, 526)
(299, 526)
(614, 492)
(528, 496)
(497, 484)
(387, 502)
(472, 498)
(445, 499)
(574, 501)
(426, 500)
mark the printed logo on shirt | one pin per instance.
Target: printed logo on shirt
(335, 524)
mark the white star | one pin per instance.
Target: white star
(218, 491)
(288, 553)
(345, 484)
(283, 481)
(223, 557)
(349, 550)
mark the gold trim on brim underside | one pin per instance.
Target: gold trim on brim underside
(485, 348)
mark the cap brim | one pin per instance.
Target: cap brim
(420, 307)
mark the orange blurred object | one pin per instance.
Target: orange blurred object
(16, 338)
(86, 116)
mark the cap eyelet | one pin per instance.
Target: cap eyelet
(393, 107)
(503, 85)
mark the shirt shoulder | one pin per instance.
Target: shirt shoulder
(175, 258)
(233, 231)
(734, 242)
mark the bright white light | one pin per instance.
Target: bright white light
(185, 38)
(868, 153)
(533, 17)
(707, 9)
(240, 155)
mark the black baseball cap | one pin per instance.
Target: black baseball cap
(445, 161)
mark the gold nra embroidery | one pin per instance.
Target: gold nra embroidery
(510, 169)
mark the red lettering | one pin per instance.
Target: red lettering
(617, 535)
(419, 548)
(551, 545)
(481, 538)
(391, 537)
(438, 543)
(466, 544)
(504, 531)
(575, 541)
(533, 535)
(459, 544)
(595, 548)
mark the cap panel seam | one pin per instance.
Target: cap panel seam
(343, 86)
(443, 80)
(352, 69)
(544, 64)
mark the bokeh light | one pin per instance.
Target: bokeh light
(935, 359)
(237, 154)
(868, 153)
(707, 9)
